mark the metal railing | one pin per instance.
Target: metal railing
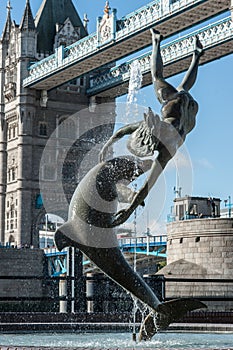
(104, 290)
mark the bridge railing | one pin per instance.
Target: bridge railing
(142, 241)
(210, 36)
(81, 48)
(139, 19)
(123, 242)
(51, 251)
(42, 67)
(146, 16)
(106, 296)
(63, 56)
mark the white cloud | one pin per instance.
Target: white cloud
(203, 162)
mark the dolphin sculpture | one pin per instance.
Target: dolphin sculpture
(91, 213)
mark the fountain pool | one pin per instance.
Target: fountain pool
(118, 340)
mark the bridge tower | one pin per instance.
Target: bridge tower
(28, 117)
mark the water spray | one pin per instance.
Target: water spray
(134, 336)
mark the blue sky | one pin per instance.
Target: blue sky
(210, 143)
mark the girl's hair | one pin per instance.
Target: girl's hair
(144, 141)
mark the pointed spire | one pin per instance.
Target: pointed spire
(9, 8)
(27, 22)
(7, 27)
(50, 13)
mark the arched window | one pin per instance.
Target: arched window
(11, 239)
(12, 131)
(43, 129)
(7, 221)
(16, 214)
(13, 173)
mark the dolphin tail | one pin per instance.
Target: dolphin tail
(167, 313)
(112, 262)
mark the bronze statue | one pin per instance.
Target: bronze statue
(92, 211)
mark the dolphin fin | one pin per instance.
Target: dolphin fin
(167, 313)
(60, 239)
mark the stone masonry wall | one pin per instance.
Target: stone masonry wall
(21, 262)
(206, 242)
(201, 248)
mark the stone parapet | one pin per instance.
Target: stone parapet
(205, 242)
(21, 263)
(201, 249)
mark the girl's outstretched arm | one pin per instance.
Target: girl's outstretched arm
(191, 75)
(125, 130)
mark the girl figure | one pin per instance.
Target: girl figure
(164, 135)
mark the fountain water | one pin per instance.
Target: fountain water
(135, 84)
(135, 81)
(114, 341)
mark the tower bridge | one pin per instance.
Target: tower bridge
(150, 247)
(217, 40)
(122, 38)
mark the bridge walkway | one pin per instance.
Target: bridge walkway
(128, 35)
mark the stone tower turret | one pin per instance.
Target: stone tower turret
(4, 46)
(28, 117)
(25, 112)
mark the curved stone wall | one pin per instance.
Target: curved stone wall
(206, 242)
(203, 249)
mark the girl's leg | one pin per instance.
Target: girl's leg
(163, 89)
(191, 75)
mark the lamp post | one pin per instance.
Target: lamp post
(46, 230)
(134, 337)
(229, 205)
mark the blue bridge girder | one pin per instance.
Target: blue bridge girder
(150, 246)
(57, 262)
(157, 252)
(142, 242)
(217, 41)
(130, 34)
